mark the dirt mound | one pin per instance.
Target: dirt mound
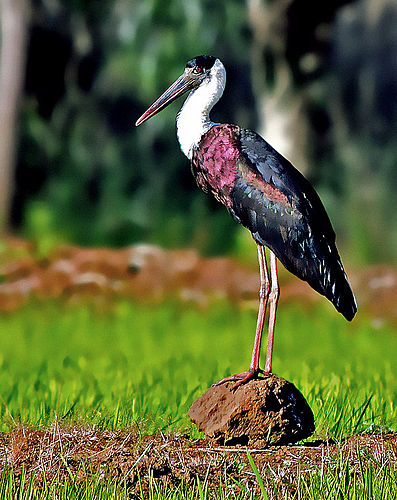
(59, 454)
(261, 412)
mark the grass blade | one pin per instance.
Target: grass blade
(255, 470)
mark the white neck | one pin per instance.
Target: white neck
(193, 119)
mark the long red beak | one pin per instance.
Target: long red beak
(181, 86)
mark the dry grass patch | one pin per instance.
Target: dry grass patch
(75, 453)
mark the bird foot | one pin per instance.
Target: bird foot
(242, 378)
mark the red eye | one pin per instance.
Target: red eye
(197, 70)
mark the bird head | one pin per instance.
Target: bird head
(197, 72)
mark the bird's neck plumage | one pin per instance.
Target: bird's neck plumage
(193, 120)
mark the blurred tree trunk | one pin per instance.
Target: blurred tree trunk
(282, 120)
(14, 22)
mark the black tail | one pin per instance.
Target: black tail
(336, 288)
(324, 272)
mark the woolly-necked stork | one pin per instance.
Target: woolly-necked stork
(263, 192)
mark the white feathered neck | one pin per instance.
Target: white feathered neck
(193, 119)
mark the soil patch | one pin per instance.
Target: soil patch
(57, 454)
(153, 274)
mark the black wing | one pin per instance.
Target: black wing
(282, 210)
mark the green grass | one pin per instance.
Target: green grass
(141, 365)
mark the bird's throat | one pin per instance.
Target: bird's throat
(192, 123)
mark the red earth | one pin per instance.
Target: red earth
(153, 274)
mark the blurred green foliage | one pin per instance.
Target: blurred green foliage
(87, 175)
(105, 181)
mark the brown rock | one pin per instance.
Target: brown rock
(261, 412)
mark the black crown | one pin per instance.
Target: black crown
(205, 62)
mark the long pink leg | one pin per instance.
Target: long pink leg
(263, 298)
(273, 299)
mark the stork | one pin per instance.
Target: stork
(263, 192)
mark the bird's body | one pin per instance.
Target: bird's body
(263, 192)
(268, 196)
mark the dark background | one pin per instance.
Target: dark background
(317, 79)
